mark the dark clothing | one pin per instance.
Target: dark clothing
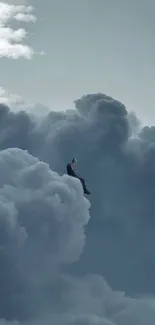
(82, 181)
(72, 173)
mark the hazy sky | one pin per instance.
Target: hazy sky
(90, 264)
(92, 46)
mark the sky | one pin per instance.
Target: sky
(91, 46)
(67, 258)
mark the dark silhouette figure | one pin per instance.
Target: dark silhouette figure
(71, 172)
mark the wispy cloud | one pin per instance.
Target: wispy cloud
(10, 39)
(16, 2)
(10, 99)
(16, 104)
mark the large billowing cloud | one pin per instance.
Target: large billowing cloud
(42, 220)
(44, 216)
(11, 45)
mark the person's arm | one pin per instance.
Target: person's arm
(70, 171)
(73, 173)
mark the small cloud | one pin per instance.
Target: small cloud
(11, 100)
(25, 18)
(10, 40)
(16, 103)
(15, 2)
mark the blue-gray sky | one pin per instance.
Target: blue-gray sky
(75, 253)
(92, 46)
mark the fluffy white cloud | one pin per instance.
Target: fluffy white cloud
(98, 134)
(17, 104)
(42, 229)
(10, 40)
(30, 193)
(43, 216)
(42, 224)
(11, 100)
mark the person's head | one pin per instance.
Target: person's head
(74, 161)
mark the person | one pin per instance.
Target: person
(71, 172)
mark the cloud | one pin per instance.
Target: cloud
(42, 224)
(10, 40)
(56, 273)
(42, 220)
(11, 100)
(17, 103)
(25, 181)
(15, 2)
(99, 134)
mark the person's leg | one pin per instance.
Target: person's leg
(84, 185)
(82, 182)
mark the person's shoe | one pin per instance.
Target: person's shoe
(86, 191)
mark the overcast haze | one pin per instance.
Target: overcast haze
(91, 46)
